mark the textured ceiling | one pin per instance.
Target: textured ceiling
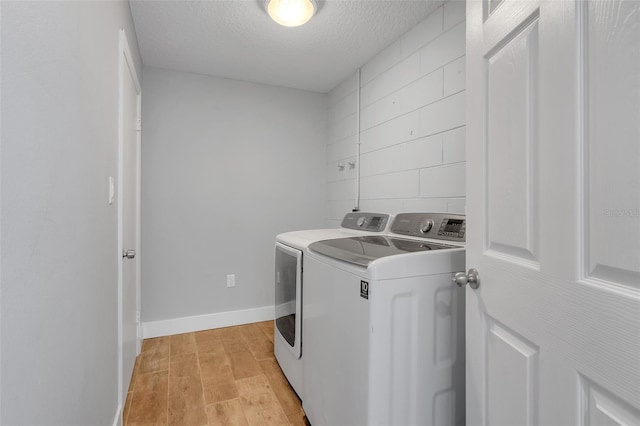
(237, 39)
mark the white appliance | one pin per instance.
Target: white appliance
(289, 259)
(384, 326)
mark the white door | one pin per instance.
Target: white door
(553, 208)
(130, 216)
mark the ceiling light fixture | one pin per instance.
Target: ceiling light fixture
(291, 13)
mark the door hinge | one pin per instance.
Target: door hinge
(139, 124)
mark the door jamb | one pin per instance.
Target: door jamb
(126, 64)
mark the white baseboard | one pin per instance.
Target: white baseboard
(117, 420)
(206, 322)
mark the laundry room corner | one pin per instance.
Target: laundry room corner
(226, 166)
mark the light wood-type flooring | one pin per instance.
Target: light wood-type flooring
(226, 376)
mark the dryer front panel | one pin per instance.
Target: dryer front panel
(288, 292)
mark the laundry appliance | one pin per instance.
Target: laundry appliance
(384, 325)
(289, 283)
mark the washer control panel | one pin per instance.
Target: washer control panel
(371, 222)
(452, 227)
(441, 226)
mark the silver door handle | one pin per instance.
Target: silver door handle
(472, 278)
(128, 254)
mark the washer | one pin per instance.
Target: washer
(289, 259)
(384, 326)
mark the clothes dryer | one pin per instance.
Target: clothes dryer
(289, 285)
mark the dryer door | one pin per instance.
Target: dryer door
(288, 281)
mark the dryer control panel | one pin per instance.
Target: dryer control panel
(439, 226)
(371, 222)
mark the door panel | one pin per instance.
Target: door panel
(612, 177)
(553, 212)
(511, 141)
(601, 407)
(512, 373)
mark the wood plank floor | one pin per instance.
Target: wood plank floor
(226, 376)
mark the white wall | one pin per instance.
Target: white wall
(412, 119)
(58, 233)
(226, 166)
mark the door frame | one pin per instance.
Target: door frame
(126, 64)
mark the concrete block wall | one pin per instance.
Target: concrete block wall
(412, 124)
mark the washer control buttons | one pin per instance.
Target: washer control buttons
(452, 228)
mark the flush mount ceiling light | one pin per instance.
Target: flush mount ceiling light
(291, 13)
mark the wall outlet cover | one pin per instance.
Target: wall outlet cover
(231, 280)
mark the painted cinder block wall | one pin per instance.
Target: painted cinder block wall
(412, 118)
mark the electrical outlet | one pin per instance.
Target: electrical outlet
(231, 280)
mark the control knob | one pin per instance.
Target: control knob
(426, 226)
(361, 221)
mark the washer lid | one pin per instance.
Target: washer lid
(365, 249)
